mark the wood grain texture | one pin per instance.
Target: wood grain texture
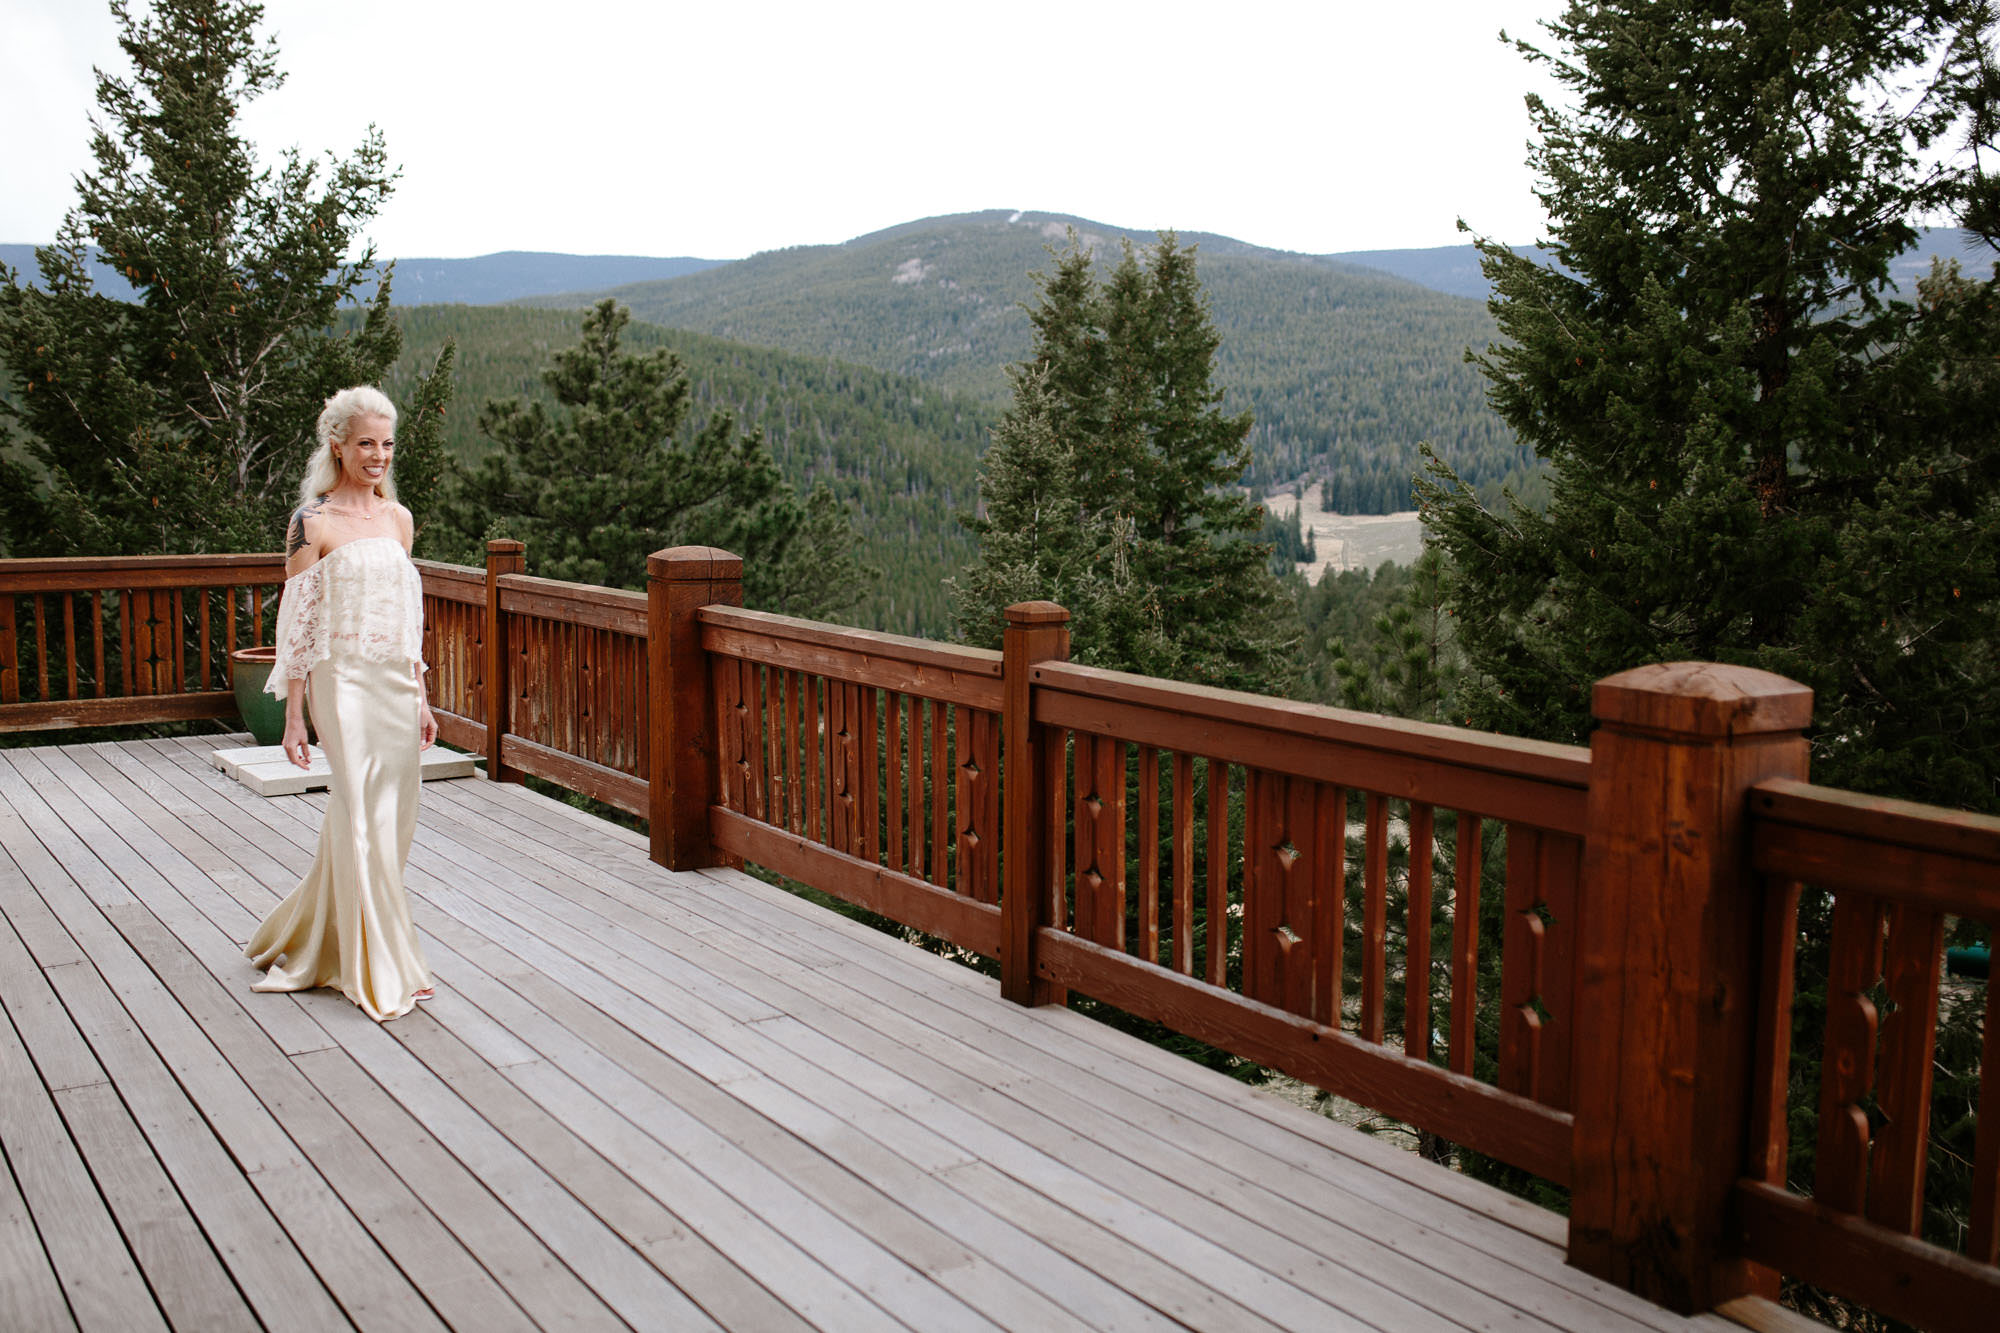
(1878, 1266)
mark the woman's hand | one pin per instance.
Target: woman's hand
(296, 748)
(427, 727)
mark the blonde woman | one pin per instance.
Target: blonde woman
(350, 643)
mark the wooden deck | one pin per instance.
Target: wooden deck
(646, 1098)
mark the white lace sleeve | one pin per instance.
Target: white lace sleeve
(302, 629)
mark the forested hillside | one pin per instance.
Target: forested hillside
(1346, 369)
(901, 454)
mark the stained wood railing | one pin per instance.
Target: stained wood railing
(103, 642)
(1201, 848)
(1317, 890)
(1898, 873)
(867, 765)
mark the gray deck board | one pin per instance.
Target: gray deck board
(641, 1099)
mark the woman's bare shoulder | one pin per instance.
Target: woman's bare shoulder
(406, 525)
(302, 537)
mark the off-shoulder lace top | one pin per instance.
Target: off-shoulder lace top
(363, 598)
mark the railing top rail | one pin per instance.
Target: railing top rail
(1932, 828)
(1540, 761)
(1947, 860)
(439, 569)
(897, 647)
(613, 609)
(76, 573)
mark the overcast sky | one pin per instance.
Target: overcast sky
(720, 129)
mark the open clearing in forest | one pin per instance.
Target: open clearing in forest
(1351, 541)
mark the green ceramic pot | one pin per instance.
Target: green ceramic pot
(263, 714)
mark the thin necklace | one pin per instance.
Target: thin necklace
(332, 508)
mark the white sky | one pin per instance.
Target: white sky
(726, 127)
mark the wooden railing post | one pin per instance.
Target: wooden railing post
(1036, 632)
(1667, 982)
(504, 555)
(680, 703)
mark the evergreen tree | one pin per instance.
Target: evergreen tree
(601, 483)
(1119, 461)
(1759, 454)
(181, 421)
(1407, 664)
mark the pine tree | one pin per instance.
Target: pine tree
(596, 486)
(1113, 480)
(1759, 454)
(180, 421)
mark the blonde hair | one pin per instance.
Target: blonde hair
(336, 419)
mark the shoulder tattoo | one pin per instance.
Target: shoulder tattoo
(295, 538)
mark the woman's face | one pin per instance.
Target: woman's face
(364, 456)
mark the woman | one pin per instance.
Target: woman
(350, 638)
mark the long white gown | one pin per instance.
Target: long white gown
(352, 625)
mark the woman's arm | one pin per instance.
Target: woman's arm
(296, 748)
(427, 727)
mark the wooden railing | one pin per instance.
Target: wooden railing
(544, 678)
(1898, 873)
(101, 642)
(1578, 962)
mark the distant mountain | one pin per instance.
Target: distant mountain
(514, 274)
(1345, 368)
(1455, 268)
(1451, 269)
(21, 258)
(486, 280)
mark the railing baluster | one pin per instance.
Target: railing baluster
(1467, 857)
(979, 813)
(69, 642)
(1417, 937)
(757, 792)
(1983, 1245)
(97, 640)
(41, 649)
(1854, 966)
(205, 657)
(1055, 838)
(913, 805)
(940, 794)
(1215, 953)
(868, 760)
(1374, 916)
(1522, 966)
(10, 652)
(179, 640)
(1329, 910)
(816, 766)
(892, 774)
(1183, 832)
(1913, 962)
(1149, 853)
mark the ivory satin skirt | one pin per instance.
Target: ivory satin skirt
(348, 924)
